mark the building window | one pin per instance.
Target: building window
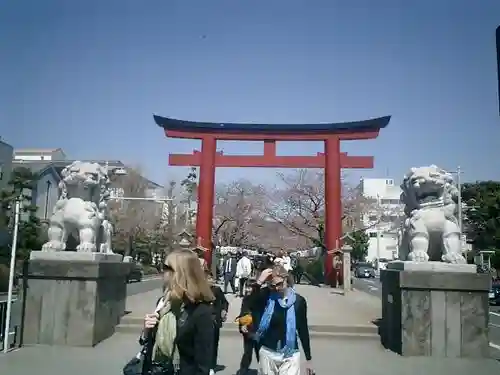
(372, 234)
(389, 182)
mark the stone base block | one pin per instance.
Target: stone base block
(439, 314)
(74, 256)
(73, 302)
(431, 266)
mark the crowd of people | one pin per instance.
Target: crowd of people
(181, 335)
(234, 269)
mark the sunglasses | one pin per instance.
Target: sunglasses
(167, 267)
(276, 284)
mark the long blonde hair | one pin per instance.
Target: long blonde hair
(188, 280)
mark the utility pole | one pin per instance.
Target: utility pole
(459, 200)
(379, 218)
(498, 63)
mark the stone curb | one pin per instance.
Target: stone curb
(133, 324)
(340, 333)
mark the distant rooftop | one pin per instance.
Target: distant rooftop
(37, 150)
(39, 166)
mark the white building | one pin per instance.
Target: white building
(382, 218)
(39, 154)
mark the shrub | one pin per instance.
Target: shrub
(315, 270)
(4, 278)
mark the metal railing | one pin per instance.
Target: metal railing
(15, 326)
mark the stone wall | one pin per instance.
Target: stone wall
(431, 313)
(74, 303)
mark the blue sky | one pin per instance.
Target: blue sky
(86, 76)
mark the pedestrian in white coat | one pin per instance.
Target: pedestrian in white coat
(243, 272)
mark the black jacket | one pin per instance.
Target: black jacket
(220, 304)
(195, 339)
(277, 328)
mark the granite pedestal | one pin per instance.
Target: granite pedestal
(435, 309)
(73, 299)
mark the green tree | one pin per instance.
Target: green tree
(30, 236)
(482, 214)
(359, 242)
(495, 261)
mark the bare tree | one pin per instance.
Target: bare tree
(133, 219)
(298, 204)
(237, 210)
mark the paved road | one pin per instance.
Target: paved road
(329, 357)
(370, 286)
(144, 286)
(373, 287)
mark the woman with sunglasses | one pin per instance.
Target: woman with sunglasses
(183, 319)
(282, 318)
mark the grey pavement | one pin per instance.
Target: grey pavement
(326, 306)
(146, 285)
(374, 288)
(370, 286)
(329, 357)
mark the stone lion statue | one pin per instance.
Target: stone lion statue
(431, 230)
(81, 211)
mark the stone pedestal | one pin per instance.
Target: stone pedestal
(346, 264)
(435, 309)
(73, 299)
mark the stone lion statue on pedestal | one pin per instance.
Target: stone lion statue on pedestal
(431, 230)
(81, 210)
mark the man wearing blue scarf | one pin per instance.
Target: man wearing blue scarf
(282, 319)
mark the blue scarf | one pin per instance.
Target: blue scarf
(291, 329)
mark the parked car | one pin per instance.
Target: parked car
(135, 274)
(364, 271)
(494, 295)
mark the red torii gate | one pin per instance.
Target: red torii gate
(332, 160)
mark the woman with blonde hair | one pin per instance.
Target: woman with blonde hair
(183, 318)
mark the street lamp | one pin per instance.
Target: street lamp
(379, 218)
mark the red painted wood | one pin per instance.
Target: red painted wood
(333, 200)
(342, 135)
(206, 188)
(332, 160)
(269, 148)
(270, 161)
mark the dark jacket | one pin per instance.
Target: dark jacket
(220, 304)
(276, 332)
(232, 268)
(195, 339)
(246, 306)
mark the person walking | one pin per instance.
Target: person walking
(229, 272)
(246, 326)
(183, 320)
(220, 308)
(297, 269)
(243, 272)
(282, 317)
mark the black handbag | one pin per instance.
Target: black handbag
(144, 365)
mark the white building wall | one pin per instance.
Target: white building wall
(382, 218)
